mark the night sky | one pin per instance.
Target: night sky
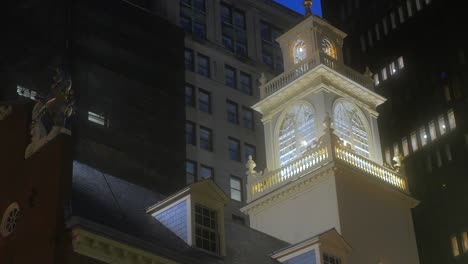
(296, 5)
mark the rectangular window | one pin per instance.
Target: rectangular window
(189, 95)
(204, 101)
(232, 112)
(245, 83)
(409, 7)
(376, 79)
(249, 151)
(247, 118)
(206, 228)
(271, 52)
(99, 119)
(234, 31)
(414, 141)
(401, 15)
(451, 119)
(234, 149)
(377, 31)
(401, 63)
(230, 76)
(193, 17)
(206, 138)
(203, 65)
(464, 240)
(236, 188)
(438, 159)
(392, 20)
(25, 92)
(432, 130)
(392, 68)
(385, 26)
(188, 58)
(423, 136)
(404, 143)
(190, 133)
(384, 74)
(363, 44)
(418, 5)
(455, 248)
(448, 152)
(442, 126)
(190, 171)
(206, 172)
(329, 259)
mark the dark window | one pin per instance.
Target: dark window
(206, 140)
(190, 134)
(232, 112)
(236, 188)
(190, 171)
(249, 151)
(203, 65)
(230, 76)
(193, 17)
(245, 83)
(234, 149)
(271, 52)
(234, 30)
(189, 64)
(206, 172)
(189, 95)
(204, 101)
(247, 116)
(206, 228)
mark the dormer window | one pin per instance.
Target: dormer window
(299, 51)
(328, 48)
(206, 228)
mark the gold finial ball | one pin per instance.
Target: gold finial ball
(308, 7)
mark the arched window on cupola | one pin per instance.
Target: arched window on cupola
(350, 127)
(328, 48)
(299, 51)
(297, 132)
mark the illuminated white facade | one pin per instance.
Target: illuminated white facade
(324, 164)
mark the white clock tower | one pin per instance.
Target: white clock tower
(325, 189)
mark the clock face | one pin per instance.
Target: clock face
(328, 48)
(299, 51)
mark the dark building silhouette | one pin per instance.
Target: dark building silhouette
(418, 57)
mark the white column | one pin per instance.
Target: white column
(376, 147)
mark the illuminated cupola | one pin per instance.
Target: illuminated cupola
(324, 162)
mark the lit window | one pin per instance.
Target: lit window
(232, 112)
(376, 79)
(249, 151)
(188, 58)
(401, 15)
(392, 20)
(299, 51)
(236, 188)
(234, 149)
(206, 172)
(206, 228)
(308, 257)
(442, 126)
(385, 26)
(384, 74)
(448, 152)
(464, 238)
(409, 8)
(190, 171)
(190, 134)
(230, 76)
(247, 118)
(99, 119)
(455, 248)
(204, 101)
(175, 219)
(438, 159)
(329, 259)
(432, 130)
(377, 31)
(189, 95)
(206, 140)
(297, 132)
(350, 128)
(193, 17)
(451, 119)
(423, 136)
(234, 30)
(203, 65)
(414, 141)
(245, 83)
(404, 143)
(328, 48)
(392, 68)
(401, 63)
(26, 93)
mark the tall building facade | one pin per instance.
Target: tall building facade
(419, 63)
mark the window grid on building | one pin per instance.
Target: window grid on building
(190, 133)
(190, 171)
(206, 138)
(271, 52)
(230, 78)
(206, 228)
(236, 188)
(206, 172)
(329, 259)
(350, 128)
(249, 151)
(232, 111)
(189, 60)
(190, 95)
(193, 17)
(234, 149)
(234, 31)
(204, 101)
(247, 118)
(203, 65)
(245, 83)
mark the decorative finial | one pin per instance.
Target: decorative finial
(251, 167)
(308, 7)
